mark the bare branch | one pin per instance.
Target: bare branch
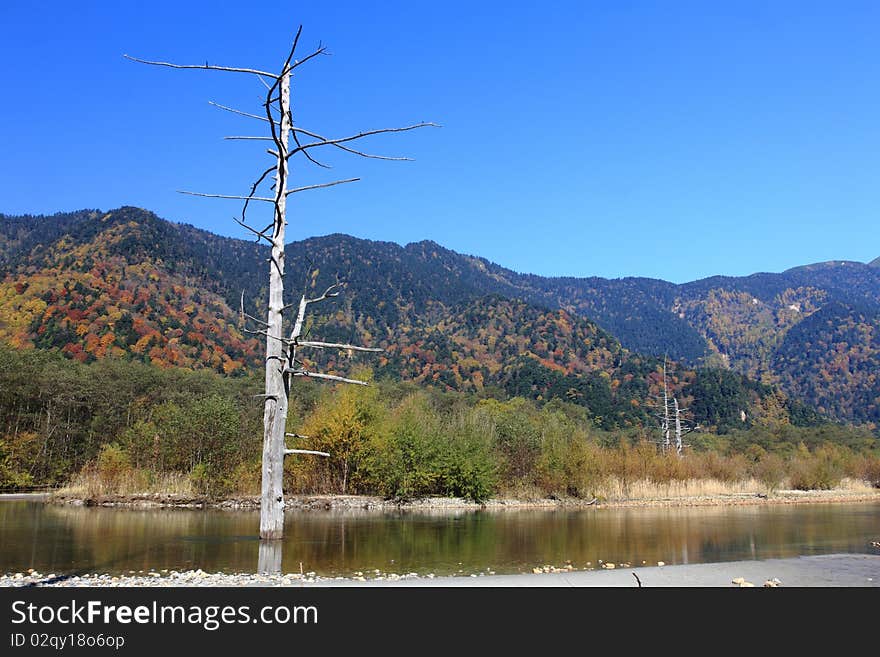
(336, 345)
(306, 153)
(237, 111)
(360, 135)
(330, 292)
(244, 315)
(346, 148)
(320, 51)
(321, 185)
(320, 375)
(296, 435)
(247, 202)
(259, 234)
(305, 451)
(267, 335)
(300, 318)
(240, 198)
(206, 66)
(292, 50)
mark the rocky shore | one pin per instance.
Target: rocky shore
(832, 570)
(372, 503)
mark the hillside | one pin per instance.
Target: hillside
(126, 283)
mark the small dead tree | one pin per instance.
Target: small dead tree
(683, 426)
(661, 404)
(671, 417)
(282, 363)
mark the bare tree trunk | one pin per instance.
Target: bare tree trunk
(281, 361)
(665, 409)
(678, 443)
(275, 412)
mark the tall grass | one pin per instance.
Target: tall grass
(90, 483)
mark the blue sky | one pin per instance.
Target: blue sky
(669, 139)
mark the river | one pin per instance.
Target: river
(75, 540)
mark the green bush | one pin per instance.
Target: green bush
(200, 478)
(112, 465)
(467, 465)
(12, 475)
(517, 437)
(405, 461)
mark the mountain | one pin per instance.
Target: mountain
(126, 283)
(874, 263)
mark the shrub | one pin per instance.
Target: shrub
(10, 474)
(867, 468)
(245, 478)
(404, 462)
(586, 467)
(770, 471)
(343, 424)
(112, 466)
(200, 478)
(821, 470)
(467, 465)
(517, 437)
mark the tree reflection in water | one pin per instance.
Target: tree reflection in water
(60, 539)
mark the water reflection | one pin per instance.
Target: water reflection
(85, 539)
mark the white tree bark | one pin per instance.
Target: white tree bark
(665, 409)
(275, 410)
(678, 443)
(281, 362)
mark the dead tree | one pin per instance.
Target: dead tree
(670, 415)
(282, 364)
(661, 405)
(683, 426)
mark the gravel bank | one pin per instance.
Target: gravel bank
(833, 570)
(369, 503)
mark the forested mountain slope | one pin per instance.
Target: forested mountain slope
(126, 283)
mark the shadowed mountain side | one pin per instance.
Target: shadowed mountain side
(127, 283)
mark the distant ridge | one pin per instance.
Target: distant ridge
(126, 283)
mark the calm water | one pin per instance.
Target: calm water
(56, 539)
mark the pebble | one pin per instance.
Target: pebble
(157, 578)
(201, 578)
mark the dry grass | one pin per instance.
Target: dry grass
(90, 484)
(855, 486)
(615, 489)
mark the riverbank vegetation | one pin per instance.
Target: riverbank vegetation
(117, 427)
